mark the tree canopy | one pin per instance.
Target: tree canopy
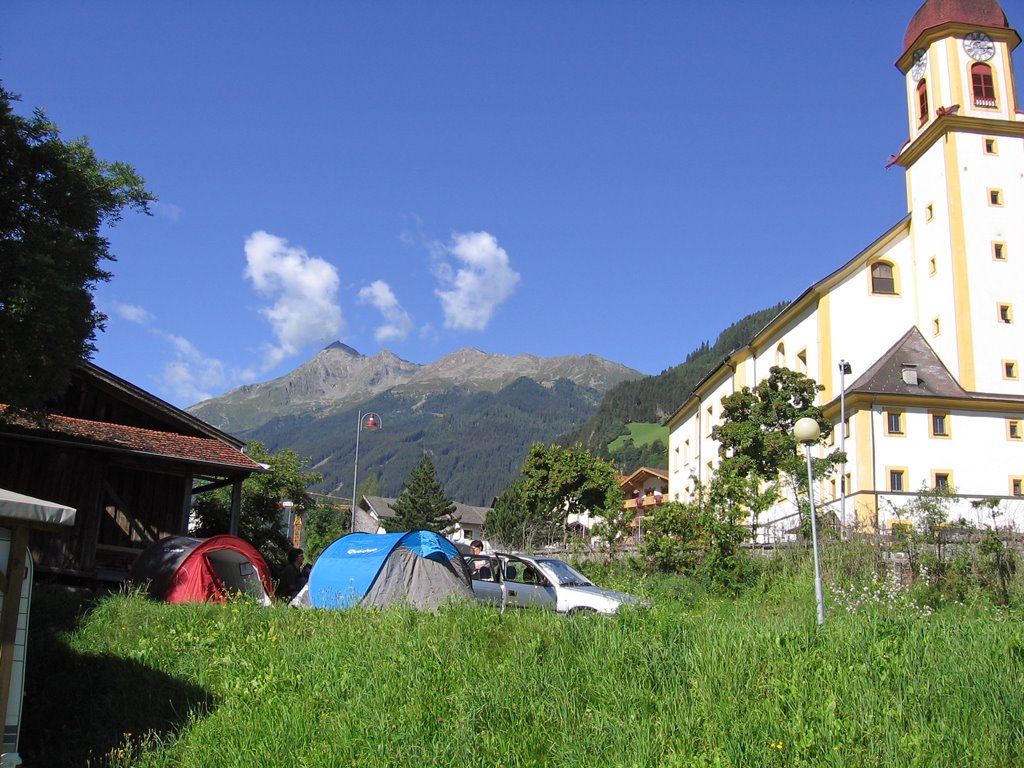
(55, 198)
(755, 434)
(554, 483)
(422, 503)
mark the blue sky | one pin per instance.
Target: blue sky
(617, 178)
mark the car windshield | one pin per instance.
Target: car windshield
(564, 574)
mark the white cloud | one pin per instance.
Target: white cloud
(482, 281)
(133, 313)
(303, 290)
(192, 376)
(399, 324)
(166, 210)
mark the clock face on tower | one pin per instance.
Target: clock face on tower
(979, 46)
(920, 63)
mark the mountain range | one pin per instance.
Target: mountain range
(476, 414)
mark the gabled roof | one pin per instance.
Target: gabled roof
(639, 476)
(119, 437)
(149, 403)
(912, 353)
(381, 506)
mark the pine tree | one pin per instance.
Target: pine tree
(422, 503)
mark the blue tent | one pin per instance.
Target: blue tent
(420, 568)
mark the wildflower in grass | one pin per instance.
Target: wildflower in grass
(777, 745)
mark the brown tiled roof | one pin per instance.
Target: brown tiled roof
(914, 352)
(137, 440)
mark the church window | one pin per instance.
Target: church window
(1005, 313)
(940, 424)
(942, 479)
(932, 266)
(929, 212)
(780, 355)
(922, 102)
(982, 85)
(991, 147)
(894, 422)
(999, 251)
(801, 361)
(1016, 486)
(883, 278)
(1010, 369)
(1013, 430)
(936, 326)
(896, 477)
(995, 197)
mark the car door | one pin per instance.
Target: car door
(485, 571)
(526, 586)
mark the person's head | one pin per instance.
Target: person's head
(477, 546)
(296, 556)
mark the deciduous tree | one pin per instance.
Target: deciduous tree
(554, 483)
(55, 198)
(756, 431)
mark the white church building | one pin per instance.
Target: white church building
(924, 328)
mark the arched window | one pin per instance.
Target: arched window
(984, 88)
(883, 278)
(922, 102)
(780, 355)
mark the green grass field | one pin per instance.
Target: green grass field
(641, 434)
(693, 681)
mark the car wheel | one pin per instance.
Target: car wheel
(578, 611)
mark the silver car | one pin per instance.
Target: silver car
(520, 581)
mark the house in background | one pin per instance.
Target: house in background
(373, 510)
(127, 461)
(642, 491)
(917, 339)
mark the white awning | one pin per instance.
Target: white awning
(19, 509)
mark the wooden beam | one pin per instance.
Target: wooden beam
(236, 506)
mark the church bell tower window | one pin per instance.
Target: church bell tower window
(922, 102)
(984, 89)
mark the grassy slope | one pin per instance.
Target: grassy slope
(641, 434)
(692, 682)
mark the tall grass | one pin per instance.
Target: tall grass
(692, 681)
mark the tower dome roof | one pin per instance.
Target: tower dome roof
(981, 13)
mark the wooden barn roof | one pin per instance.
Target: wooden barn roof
(150, 442)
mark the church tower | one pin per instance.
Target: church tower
(965, 190)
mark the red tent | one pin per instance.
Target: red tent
(180, 569)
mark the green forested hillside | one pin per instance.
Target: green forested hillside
(652, 399)
(476, 440)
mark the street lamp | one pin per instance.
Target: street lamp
(806, 431)
(366, 421)
(844, 368)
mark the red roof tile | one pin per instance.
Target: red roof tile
(135, 439)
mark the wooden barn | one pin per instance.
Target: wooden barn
(129, 462)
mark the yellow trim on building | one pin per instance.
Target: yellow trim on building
(865, 447)
(956, 84)
(958, 254)
(825, 366)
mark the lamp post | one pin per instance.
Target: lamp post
(366, 421)
(844, 368)
(806, 431)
